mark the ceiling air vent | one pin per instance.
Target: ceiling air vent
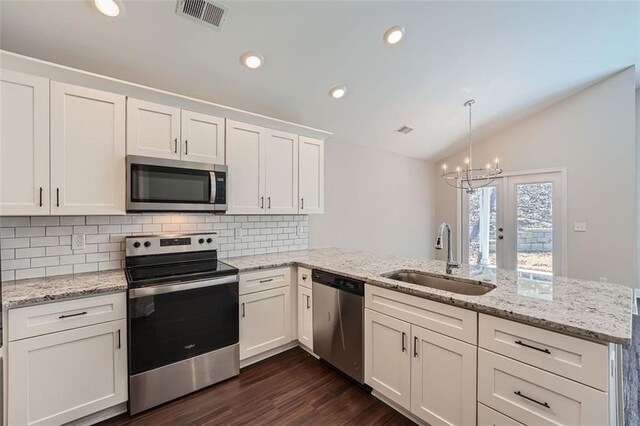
(404, 129)
(208, 13)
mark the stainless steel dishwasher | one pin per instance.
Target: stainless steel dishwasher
(338, 316)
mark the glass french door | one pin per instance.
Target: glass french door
(516, 223)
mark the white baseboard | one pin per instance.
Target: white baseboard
(399, 409)
(268, 354)
(100, 416)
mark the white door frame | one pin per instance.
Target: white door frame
(562, 182)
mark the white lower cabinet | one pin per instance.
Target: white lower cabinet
(265, 321)
(387, 362)
(443, 379)
(305, 316)
(490, 417)
(60, 377)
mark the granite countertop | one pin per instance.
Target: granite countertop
(48, 289)
(586, 309)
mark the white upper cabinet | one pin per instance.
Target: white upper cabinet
(281, 172)
(245, 158)
(87, 151)
(311, 175)
(202, 137)
(153, 129)
(24, 144)
(161, 131)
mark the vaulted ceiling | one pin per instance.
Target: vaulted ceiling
(513, 58)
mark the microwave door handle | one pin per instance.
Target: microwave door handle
(212, 195)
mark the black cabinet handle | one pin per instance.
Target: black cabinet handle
(519, 342)
(186, 147)
(40, 196)
(268, 202)
(302, 202)
(261, 202)
(57, 197)
(243, 310)
(119, 343)
(268, 280)
(72, 315)
(415, 346)
(175, 146)
(404, 347)
(308, 304)
(544, 404)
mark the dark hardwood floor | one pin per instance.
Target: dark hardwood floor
(289, 388)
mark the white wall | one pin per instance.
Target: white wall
(375, 201)
(592, 135)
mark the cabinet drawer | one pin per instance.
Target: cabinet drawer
(490, 417)
(533, 396)
(251, 282)
(450, 320)
(58, 316)
(577, 359)
(304, 277)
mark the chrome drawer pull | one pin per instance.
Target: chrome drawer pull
(546, 351)
(72, 315)
(544, 404)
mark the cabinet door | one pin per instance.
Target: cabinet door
(265, 321)
(153, 129)
(61, 377)
(311, 175)
(24, 144)
(281, 168)
(387, 362)
(245, 158)
(305, 317)
(443, 379)
(202, 137)
(87, 151)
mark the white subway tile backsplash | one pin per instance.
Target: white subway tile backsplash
(39, 246)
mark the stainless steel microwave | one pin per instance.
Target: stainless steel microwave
(158, 184)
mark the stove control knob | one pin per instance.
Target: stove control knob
(147, 244)
(136, 244)
(201, 240)
(209, 240)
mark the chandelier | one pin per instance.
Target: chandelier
(468, 178)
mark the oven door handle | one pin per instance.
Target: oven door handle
(135, 293)
(214, 189)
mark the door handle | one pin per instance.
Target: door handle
(268, 202)
(72, 315)
(119, 342)
(268, 280)
(545, 350)
(404, 347)
(40, 196)
(521, 395)
(243, 313)
(175, 146)
(308, 300)
(57, 197)
(415, 346)
(262, 202)
(186, 147)
(302, 203)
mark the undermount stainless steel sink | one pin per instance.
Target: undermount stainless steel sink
(470, 288)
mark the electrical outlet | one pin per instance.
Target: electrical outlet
(77, 241)
(580, 226)
(238, 233)
(299, 230)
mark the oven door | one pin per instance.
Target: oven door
(157, 184)
(173, 322)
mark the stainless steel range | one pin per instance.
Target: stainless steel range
(182, 315)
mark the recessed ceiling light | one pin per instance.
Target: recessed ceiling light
(108, 7)
(393, 35)
(252, 60)
(338, 92)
